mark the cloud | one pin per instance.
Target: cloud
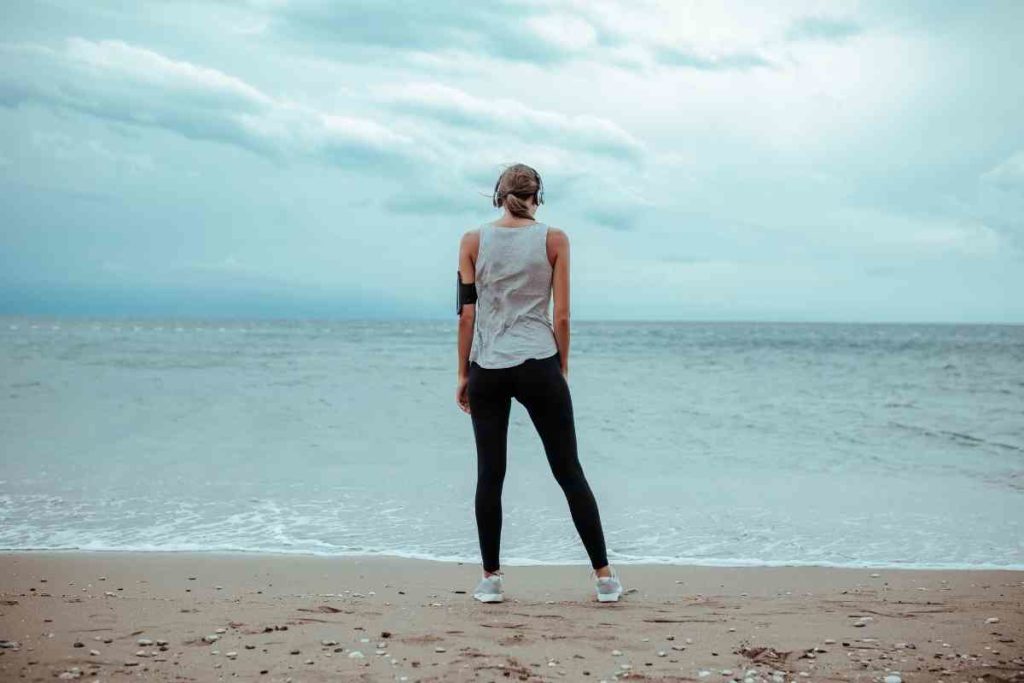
(420, 202)
(68, 150)
(738, 61)
(611, 201)
(506, 30)
(568, 32)
(823, 28)
(612, 216)
(131, 86)
(455, 107)
(1001, 197)
(123, 83)
(1008, 175)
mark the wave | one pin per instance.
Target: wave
(681, 561)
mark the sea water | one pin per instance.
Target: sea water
(706, 443)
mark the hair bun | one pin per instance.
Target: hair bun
(516, 184)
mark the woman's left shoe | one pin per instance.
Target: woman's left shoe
(608, 588)
(490, 589)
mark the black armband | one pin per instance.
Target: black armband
(464, 294)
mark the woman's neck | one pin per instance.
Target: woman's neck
(513, 222)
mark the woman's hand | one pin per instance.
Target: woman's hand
(462, 393)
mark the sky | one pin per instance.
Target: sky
(782, 161)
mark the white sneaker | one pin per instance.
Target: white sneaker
(490, 589)
(608, 588)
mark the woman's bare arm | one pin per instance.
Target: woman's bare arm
(558, 243)
(467, 269)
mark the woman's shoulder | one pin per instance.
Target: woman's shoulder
(469, 243)
(557, 236)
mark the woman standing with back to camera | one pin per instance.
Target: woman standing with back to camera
(509, 348)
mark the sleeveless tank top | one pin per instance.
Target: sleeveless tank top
(513, 285)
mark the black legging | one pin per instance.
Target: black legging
(538, 384)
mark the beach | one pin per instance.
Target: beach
(186, 616)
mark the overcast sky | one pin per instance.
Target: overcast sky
(836, 161)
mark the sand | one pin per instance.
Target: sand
(277, 617)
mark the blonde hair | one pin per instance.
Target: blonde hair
(516, 184)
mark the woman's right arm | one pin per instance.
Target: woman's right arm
(560, 292)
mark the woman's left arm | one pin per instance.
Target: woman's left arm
(467, 316)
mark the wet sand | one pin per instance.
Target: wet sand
(270, 617)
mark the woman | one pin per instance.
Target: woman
(509, 348)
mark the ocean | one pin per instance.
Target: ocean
(861, 445)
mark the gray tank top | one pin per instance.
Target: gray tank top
(513, 285)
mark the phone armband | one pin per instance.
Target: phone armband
(465, 293)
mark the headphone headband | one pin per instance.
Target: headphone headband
(539, 194)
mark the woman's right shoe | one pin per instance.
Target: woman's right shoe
(608, 588)
(490, 589)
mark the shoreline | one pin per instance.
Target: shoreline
(303, 616)
(711, 563)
